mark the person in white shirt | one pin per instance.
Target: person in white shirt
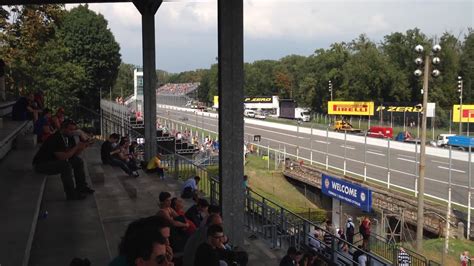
(190, 187)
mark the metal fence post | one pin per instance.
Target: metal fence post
(388, 163)
(416, 169)
(469, 195)
(311, 145)
(268, 155)
(365, 157)
(327, 148)
(345, 150)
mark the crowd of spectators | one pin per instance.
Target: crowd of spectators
(176, 237)
(177, 88)
(119, 151)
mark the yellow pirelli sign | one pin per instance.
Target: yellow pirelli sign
(350, 108)
(466, 114)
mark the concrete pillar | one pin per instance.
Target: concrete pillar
(148, 9)
(2, 80)
(231, 121)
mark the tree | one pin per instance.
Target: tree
(24, 30)
(467, 65)
(399, 48)
(123, 86)
(59, 78)
(92, 46)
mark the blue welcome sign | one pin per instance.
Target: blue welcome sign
(347, 192)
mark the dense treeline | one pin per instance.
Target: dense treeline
(72, 55)
(69, 55)
(359, 70)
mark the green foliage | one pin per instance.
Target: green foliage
(92, 46)
(123, 86)
(59, 78)
(467, 65)
(25, 30)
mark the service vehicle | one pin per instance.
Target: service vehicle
(380, 132)
(344, 126)
(288, 110)
(442, 140)
(405, 136)
(461, 142)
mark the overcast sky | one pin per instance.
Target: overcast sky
(186, 31)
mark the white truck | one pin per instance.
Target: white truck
(302, 114)
(442, 140)
(288, 109)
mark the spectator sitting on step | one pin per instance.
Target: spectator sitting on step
(212, 209)
(124, 154)
(33, 109)
(289, 258)
(197, 238)
(109, 151)
(58, 118)
(155, 165)
(198, 212)
(59, 155)
(178, 207)
(145, 243)
(207, 252)
(42, 127)
(179, 235)
(190, 187)
(167, 212)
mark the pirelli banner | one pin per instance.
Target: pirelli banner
(350, 108)
(466, 114)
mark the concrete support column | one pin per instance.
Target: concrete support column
(148, 9)
(231, 122)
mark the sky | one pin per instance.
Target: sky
(186, 30)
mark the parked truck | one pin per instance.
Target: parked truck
(380, 132)
(461, 142)
(288, 109)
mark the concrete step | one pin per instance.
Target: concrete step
(21, 192)
(71, 229)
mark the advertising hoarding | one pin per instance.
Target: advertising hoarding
(467, 113)
(350, 193)
(350, 108)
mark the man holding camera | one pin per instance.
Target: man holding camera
(59, 155)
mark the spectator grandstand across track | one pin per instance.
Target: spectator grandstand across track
(177, 88)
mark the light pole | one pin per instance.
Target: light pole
(421, 179)
(460, 87)
(330, 91)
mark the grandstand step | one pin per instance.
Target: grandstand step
(9, 133)
(26, 141)
(71, 229)
(21, 192)
(97, 175)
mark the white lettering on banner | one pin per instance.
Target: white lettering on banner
(345, 189)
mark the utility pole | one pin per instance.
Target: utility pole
(421, 179)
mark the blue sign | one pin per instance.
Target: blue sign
(347, 192)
